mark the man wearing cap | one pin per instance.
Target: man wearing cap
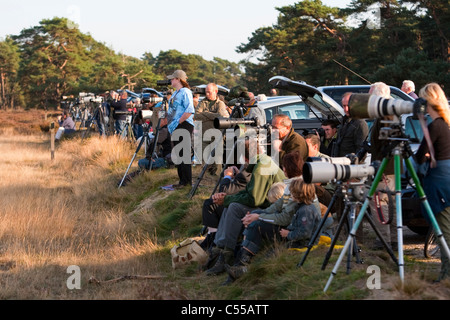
(207, 110)
(180, 118)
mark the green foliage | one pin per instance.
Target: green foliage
(409, 41)
(9, 69)
(57, 59)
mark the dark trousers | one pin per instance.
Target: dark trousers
(185, 169)
(259, 232)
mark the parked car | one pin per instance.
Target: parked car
(307, 110)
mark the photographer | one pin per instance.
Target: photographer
(313, 142)
(436, 180)
(181, 117)
(387, 184)
(207, 110)
(328, 141)
(352, 133)
(66, 124)
(120, 106)
(288, 140)
(102, 117)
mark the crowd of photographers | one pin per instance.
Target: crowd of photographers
(240, 217)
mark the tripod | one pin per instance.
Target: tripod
(237, 112)
(398, 148)
(349, 197)
(145, 138)
(98, 114)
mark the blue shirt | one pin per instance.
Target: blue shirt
(181, 102)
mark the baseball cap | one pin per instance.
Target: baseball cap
(179, 74)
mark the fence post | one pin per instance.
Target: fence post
(52, 140)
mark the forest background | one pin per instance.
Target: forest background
(368, 41)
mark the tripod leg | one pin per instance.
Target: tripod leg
(131, 163)
(377, 232)
(322, 223)
(398, 204)
(423, 197)
(354, 249)
(205, 167)
(336, 236)
(358, 220)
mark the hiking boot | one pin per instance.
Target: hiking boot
(226, 257)
(240, 268)
(214, 253)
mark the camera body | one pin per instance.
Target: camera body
(319, 131)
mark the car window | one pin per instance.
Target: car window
(269, 114)
(295, 111)
(413, 128)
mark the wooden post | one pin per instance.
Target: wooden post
(52, 140)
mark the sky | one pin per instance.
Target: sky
(208, 28)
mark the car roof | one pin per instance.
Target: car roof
(336, 92)
(201, 89)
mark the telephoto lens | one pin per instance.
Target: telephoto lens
(321, 172)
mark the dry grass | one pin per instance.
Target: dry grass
(59, 213)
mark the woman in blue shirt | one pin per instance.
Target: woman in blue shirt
(180, 118)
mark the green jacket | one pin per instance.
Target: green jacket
(264, 174)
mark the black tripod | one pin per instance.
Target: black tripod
(237, 112)
(98, 114)
(144, 140)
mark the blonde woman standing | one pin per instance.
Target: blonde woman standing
(436, 182)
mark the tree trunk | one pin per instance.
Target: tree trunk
(2, 84)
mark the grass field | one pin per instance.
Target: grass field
(69, 212)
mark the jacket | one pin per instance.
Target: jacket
(293, 142)
(264, 174)
(304, 223)
(351, 137)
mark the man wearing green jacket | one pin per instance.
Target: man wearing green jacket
(264, 174)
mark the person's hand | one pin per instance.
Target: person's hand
(219, 198)
(284, 233)
(249, 218)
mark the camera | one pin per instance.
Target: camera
(321, 172)
(152, 99)
(97, 100)
(163, 83)
(226, 123)
(145, 114)
(367, 106)
(319, 131)
(339, 160)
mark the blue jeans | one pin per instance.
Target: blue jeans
(119, 126)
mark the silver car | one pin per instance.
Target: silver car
(307, 110)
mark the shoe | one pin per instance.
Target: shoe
(226, 257)
(179, 186)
